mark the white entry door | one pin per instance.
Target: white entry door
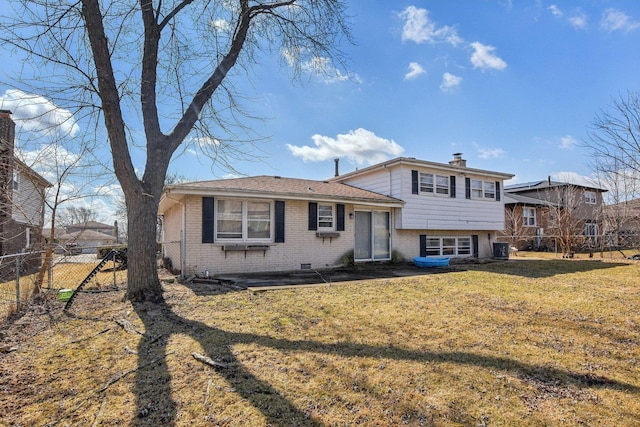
(372, 236)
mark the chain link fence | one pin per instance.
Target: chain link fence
(24, 275)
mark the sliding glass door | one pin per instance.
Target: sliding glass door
(372, 236)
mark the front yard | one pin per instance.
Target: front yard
(522, 342)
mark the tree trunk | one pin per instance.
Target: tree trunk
(142, 270)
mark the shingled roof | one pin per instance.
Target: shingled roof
(286, 188)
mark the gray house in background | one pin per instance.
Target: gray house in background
(85, 237)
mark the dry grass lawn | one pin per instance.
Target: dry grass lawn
(525, 342)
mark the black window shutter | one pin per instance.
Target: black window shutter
(208, 220)
(414, 182)
(423, 245)
(452, 186)
(498, 191)
(313, 216)
(279, 212)
(340, 217)
(467, 188)
(474, 240)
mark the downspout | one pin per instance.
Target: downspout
(183, 240)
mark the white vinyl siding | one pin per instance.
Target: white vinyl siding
(433, 213)
(28, 201)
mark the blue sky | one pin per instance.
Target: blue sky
(513, 85)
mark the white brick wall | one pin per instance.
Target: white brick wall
(301, 245)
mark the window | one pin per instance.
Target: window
(591, 231)
(448, 246)
(434, 184)
(325, 217)
(243, 220)
(590, 197)
(483, 189)
(529, 217)
(16, 181)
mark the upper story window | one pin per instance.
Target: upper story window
(16, 181)
(529, 217)
(325, 217)
(243, 220)
(483, 189)
(434, 184)
(590, 197)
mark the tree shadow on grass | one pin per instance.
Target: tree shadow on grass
(156, 406)
(536, 269)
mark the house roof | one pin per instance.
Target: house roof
(517, 199)
(85, 235)
(546, 183)
(20, 166)
(91, 225)
(277, 187)
(413, 162)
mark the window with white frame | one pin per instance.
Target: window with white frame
(448, 246)
(16, 181)
(325, 217)
(243, 220)
(483, 189)
(529, 217)
(591, 231)
(434, 184)
(590, 197)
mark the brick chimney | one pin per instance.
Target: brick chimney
(458, 160)
(7, 133)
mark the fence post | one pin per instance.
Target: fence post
(18, 283)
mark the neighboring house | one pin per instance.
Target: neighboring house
(622, 224)
(22, 193)
(85, 237)
(543, 215)
(401, 208)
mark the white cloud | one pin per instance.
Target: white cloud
(555, 10)
(415, 70)
(490, 153)
(34, 113)
(418, 28)
(567, 142)
(220, 24)
(322, 67)
(578, 21)
(360, 146)
(615, 20)
(450, 82)
(484, 58)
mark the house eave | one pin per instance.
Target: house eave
(173, 195)
(415, 163)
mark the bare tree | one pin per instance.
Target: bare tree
(91, 53)
(77, 215)
(614, 137)
(516, 231)
(74, 176)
